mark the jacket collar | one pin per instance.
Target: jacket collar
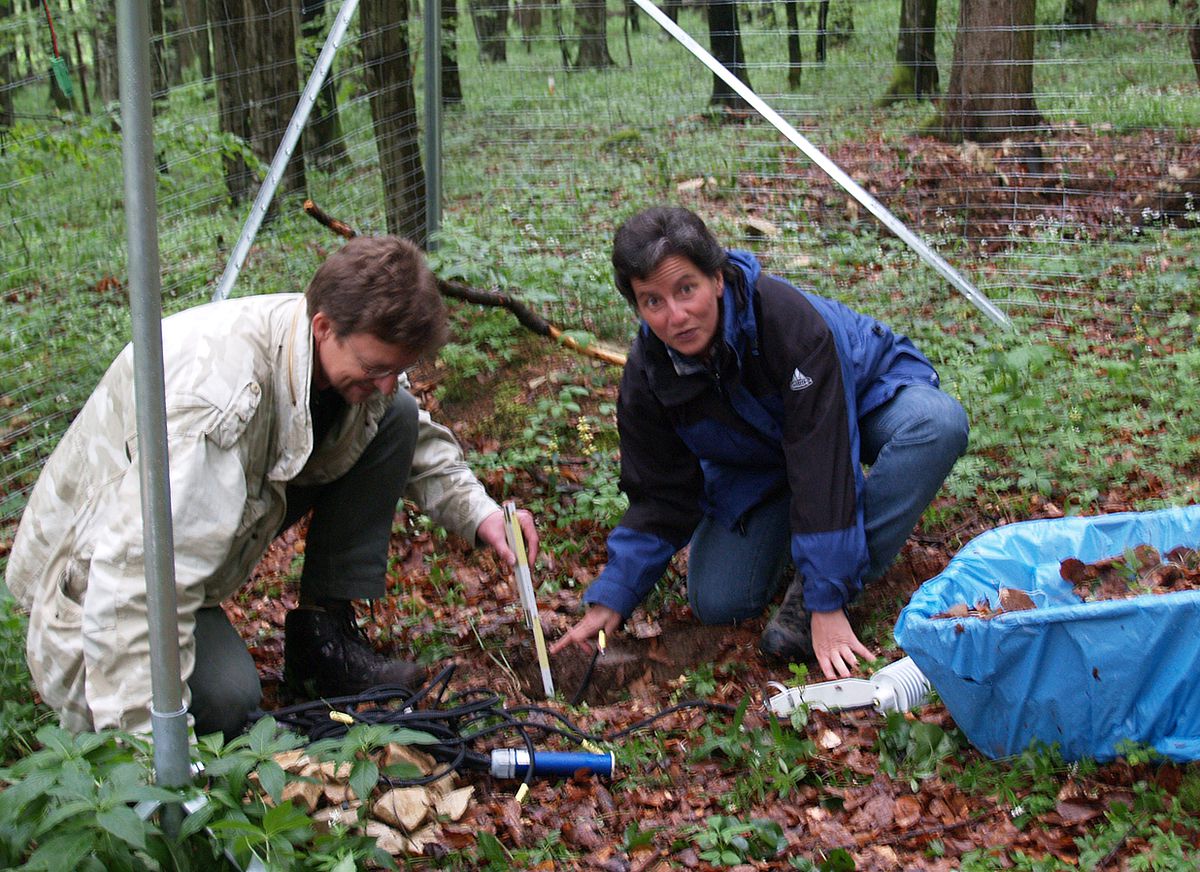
(292, 342)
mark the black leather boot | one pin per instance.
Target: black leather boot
(326, 653)
(788, 635)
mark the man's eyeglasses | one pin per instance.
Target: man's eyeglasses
(370, 372)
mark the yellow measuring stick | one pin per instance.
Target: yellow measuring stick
(516, 541)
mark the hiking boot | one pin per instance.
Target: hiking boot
(788, 635)
(326, 653)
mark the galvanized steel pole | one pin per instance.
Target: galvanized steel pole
(167, 712)
(433, 121)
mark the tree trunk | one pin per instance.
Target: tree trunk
(8, 67)
(451, 81)
(795, 56)
(1191, 14)
(725, 41)
(193, 40)
(173, 38)
(529, 20)
(394, 114)
(822, 30)
(670, 8)
(592, 18)
(26, 52)
(158, 52)
(80, 68)
(275, 87)
(990, 96)
(491, 29)
(841, 22)
(323, 135)
(560, 33)
(229, 35)
(915, 76)
(1080, 15)
(104, 52)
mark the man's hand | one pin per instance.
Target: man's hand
(596, 619)
(491, 532)
(835, 644)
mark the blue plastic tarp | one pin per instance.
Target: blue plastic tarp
(1084, 675)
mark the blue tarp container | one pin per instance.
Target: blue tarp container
(1084, 675)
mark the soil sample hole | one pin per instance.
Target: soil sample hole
(628, 661)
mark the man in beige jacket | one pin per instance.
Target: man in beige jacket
(276, 405)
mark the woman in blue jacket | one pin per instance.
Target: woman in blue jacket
(747, 408)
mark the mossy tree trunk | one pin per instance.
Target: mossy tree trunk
(795, 55)
(230, 50)
(915, 75)
(592, 19)
(388, 62)
(1081, 14)
(324, 144)
(822, 30)
(1191, 12)
(725, 41)
(275, 84)
(8, 69)
(192, 44)
(451, 81)
(990, 95)
(491, 29)
(104, 53)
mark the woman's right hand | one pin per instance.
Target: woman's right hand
(596, 618)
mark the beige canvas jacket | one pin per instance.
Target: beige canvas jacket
(238, 431)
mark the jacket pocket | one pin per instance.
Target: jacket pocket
(232, 422)
(54, 646)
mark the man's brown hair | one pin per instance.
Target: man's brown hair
(381, 285)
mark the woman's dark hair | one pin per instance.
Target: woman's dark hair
(649, 237)
(381, 285)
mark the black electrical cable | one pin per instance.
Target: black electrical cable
(455, 722)
(587, 679)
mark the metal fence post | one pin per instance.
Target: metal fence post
(167, 712)
(433, 121)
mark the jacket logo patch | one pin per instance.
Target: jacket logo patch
(800, 381)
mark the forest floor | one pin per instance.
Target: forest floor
(826, 788)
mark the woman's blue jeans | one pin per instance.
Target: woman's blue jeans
(910, 444)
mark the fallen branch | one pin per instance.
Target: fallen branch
(457, 290)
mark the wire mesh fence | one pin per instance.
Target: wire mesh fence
(1049, 151)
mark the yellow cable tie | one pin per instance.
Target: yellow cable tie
(341, 717)
(601, 641)
(522, 792)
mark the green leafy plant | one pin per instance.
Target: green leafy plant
(69, 805)
(20, 717)
(774, 760)
(914, 749)
(727, 841)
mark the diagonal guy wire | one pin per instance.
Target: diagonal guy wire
(890, 221)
